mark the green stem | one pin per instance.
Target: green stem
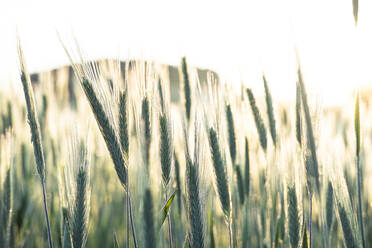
(50, 241)
(311, 220)
(230, 234)
(128, 223)
(131, 221)
(360, 215)
(169, 223)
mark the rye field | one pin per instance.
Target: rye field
(112, 160)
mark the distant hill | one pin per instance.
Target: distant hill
(65, 77)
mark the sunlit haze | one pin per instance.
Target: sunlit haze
(238, 39)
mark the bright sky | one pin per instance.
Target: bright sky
(238, 39)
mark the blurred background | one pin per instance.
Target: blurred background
(238, 39)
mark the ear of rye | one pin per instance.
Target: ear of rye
(258, 120)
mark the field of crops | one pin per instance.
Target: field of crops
(121, 165)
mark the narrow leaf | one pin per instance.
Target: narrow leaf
(165, 210)
(305, 243)
(116, 243)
